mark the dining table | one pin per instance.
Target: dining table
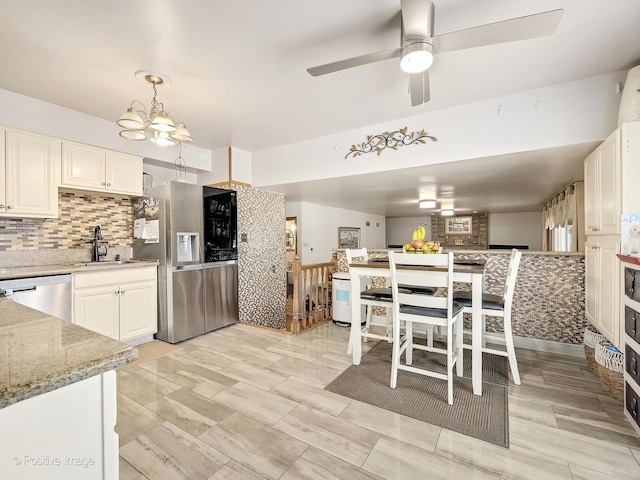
(464, 271)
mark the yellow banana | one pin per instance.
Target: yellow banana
(422, 232)
(415, 235)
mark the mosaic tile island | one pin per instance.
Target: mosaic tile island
(549, 296)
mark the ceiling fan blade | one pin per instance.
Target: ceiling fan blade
(419, 88)
(353, 62)
(521, 28)
(417, 18)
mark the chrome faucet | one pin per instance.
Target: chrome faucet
(97, 237)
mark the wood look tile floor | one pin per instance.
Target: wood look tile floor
(247, 403)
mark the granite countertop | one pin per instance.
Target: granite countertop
(40, 353)
(490, 252)
(7, 273)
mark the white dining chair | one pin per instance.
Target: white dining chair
(371, 297)
(498, 306)
(425, 311)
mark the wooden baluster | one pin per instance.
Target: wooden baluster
(325, 282)
(295, 320)
(314, 293)
(305, 316)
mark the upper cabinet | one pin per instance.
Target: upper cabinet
(609, 188)
(29, 174)
(92, 168)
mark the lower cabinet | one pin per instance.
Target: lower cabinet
(602, 266)
(65, 434)
(119, 303)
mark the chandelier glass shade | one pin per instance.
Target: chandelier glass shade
(156, 125)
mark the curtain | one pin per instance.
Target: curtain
(559, 212)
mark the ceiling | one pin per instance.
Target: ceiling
(239, 70)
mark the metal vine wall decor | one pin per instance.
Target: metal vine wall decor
(392, 140)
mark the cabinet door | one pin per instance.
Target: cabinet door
(592, 295)
(591, 210)
(97, 308)
(138, 310)
(32, 163)
(2, 174)
(609, 197)
(609, 281)
(123, 173)
(82, 166)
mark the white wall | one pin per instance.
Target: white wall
(400, 230)
(318, 229)
(240, 165)
(37, 116)
(516, 229)
(165, 174)
(571, 113)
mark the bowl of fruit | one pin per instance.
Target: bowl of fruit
(419, 245)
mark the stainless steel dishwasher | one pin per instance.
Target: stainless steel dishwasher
(50, 294)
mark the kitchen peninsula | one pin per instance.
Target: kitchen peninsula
(548, 305)
(57, 397)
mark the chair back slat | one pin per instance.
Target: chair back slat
(356, 253)
(422, 278)
(512, 275)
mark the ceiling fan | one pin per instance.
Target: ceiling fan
(418, 43)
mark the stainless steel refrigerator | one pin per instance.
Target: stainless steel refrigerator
(194, 297)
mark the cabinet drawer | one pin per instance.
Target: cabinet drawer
(632, 323)
(632, 363)
(631, 403)
(116, 276)
(632, 283)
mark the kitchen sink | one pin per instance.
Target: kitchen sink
(93, 264)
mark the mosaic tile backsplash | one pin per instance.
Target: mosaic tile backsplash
(549, 296)
(79, 213)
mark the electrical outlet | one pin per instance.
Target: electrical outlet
(367, 224)
(377, 224)
(243, 237)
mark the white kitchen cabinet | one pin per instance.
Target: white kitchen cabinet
(66, 434)
(30, 165)
(120, 303)
(611, 174)
(92, 168)
(602, 285)
(610, 188)
(97, 308)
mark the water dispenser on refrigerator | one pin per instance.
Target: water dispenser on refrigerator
(188, 250)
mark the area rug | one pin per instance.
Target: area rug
(424, 398)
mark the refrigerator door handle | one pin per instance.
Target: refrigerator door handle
(177, 268)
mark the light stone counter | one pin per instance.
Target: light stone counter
(9, 273)
(40, 353)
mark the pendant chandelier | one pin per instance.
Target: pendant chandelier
(156, 125)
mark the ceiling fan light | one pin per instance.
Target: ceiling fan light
(181, 134)
(416, 57)
(135, 135)
(131, 120)
(446, 213)
(162, 123)
(427, 204)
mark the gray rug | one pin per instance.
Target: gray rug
(484, 417)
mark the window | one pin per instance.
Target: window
(561, 238)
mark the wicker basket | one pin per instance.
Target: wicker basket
(610, 367)
(591, 339)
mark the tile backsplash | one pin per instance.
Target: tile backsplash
(78, 213)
